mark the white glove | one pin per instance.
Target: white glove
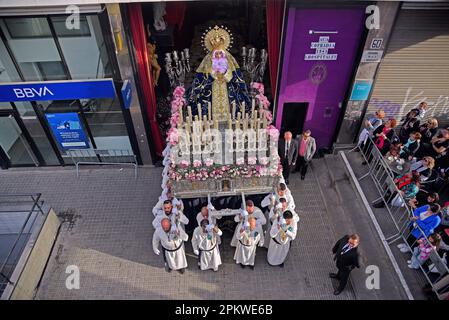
(173, 228)
(246, 224)
(244, 213)
(279, 206)
(175, 202)
(210, 207)
(282, 221)
(175, 210)
(157, 252)
(209, 227)
(196, 252)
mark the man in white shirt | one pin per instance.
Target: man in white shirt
(171, 238)
(171, 213)
(251, 211)
(282, 232)
(249, 237)
(205, 245)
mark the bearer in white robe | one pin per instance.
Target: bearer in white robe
(171, 213)
(171, 238)
(167, 195)
(205, 245)
(251, 211)
(276, 213)
(248, 238)
(281, 192)
(205, 214)
(282, 232)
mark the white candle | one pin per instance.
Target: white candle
(209, 112)
(253, 107)
(233, 110)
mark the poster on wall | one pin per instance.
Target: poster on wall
(361, 90)
(68, 130)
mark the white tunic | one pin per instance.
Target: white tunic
(174, 218)
(257, 214)
(245, 253)
(276, 214)
(266, 202)
(212, 220)
(280, 242)
(208, 248)
(169, 241)
(159, 207)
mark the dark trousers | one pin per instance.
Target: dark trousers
(286, 167)
(343, 276)
(302, 165)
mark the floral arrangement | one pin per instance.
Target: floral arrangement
(193, 173)
(273, 132)
(177, 103)
(262, 100)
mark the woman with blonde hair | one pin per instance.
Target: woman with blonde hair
(424, 167)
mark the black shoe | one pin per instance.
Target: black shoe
(333, 275)
(302, 177)
(380, 204)
(281, 265)
(167, 268)
(181, 271)
(364, 163)
(251, 267)
(337, 292)
(242, 266)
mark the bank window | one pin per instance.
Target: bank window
(61, 29)
(23, 28)
(43, 70)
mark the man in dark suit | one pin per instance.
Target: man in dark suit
(288, 152)
(346, 258)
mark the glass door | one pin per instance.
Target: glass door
(16, 149)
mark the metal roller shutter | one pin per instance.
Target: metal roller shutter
(415, 66)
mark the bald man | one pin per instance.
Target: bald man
(288, 152)
(249, 236)
(171, 238)
(250, 211)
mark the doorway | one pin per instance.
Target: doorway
(17, 149)
(293, 117)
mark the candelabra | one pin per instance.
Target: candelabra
(177, 68)
(254, 69)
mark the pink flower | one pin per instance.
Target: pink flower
(174, 119)
(172, 136)
(184, 163)
(197, 163)
(179, 92)
(208, 162)
(263, 161)
(240, 161)
(252, 160)
(258, 86)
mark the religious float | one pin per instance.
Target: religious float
(221, 141)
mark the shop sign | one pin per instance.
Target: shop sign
(68, 131)
(372, 55)
(361, 90)
(322, 50)
(57, 90)
(126, 93)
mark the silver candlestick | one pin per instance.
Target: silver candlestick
(254, 68)
(177, 67)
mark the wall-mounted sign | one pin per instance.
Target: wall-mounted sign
(376, 43)
(126, 93)
(321, 50)
(68, 130)
(361, 90)
(372, 55)
(57, 90)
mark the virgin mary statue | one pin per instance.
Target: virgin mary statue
(218, 80)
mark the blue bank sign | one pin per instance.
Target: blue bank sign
(57, 90)
(68, 130)
(126, 93)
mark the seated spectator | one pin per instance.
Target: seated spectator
(427, 219)
(422, 108)
(440, 144)
(410, 124)
(423, 199)
(428, 129)
(422, 252)
(423, 167)
(409, 149)
(383, 136)
(408, 186)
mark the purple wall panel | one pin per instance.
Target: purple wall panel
(321, 83)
